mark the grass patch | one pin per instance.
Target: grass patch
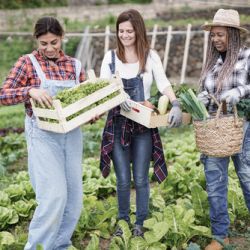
(12, 116)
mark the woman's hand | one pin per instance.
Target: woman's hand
(95, 118)
(175, 115)
(204, 97)
(231, 96)
(41, 96)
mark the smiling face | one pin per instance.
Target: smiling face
(219, 38)
(126, 34)
(49, 45)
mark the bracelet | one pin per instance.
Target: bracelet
(176, 103)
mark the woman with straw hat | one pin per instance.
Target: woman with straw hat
(225, 76)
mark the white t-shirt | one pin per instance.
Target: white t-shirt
(154, 71)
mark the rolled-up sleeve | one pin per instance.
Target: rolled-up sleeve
(15, 88)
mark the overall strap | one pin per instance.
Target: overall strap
(78, 67)
(37, 67)
(112, 64)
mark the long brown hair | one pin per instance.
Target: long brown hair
(233, 48)
(141, 40)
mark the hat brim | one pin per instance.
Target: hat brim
(208, 26)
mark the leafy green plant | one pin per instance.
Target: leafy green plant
(6, 238)
(12, 148)
(243, 108)
(193, 105)
(8, 216)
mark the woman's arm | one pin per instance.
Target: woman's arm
(161, 80)
(15, 88)
(105, 69)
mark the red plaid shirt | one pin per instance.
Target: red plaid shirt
(23, 77)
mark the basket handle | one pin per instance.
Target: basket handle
(222, 106)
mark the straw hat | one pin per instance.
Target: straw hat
(227, 18)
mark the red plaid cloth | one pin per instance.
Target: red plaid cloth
(130, 127)
(23, 77)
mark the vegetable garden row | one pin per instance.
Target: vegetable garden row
(178, 207)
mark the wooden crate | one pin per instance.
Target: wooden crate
(147, 117)
(60, 114)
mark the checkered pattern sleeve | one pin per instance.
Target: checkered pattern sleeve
(15, 88)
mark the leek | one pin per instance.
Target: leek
(193, 106)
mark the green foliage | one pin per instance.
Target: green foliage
(94, 243)
(12, 116)
(11, 49)
(12, 148)
(243, 108)
(71, 46)
(192, 105)
(8, 216)
(19, 4)
(178, 206)
(69, 96)
(6, 238)
(72, 95)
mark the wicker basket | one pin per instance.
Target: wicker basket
(220, 135)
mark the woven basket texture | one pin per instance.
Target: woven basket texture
(219, 137)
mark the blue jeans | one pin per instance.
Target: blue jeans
(216, 172)
(139, 152)
(55, 171)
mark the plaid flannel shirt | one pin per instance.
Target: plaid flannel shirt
(23, 77)
(239, 79)
(128, 128)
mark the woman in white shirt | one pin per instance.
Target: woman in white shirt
(125, 141)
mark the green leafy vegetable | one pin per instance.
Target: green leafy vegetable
(193, 105)
(243, 108)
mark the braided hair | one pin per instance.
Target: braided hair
(233, 48)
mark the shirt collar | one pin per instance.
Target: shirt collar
(62, 57)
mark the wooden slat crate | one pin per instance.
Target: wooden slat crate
(60, 114)
(148, 118)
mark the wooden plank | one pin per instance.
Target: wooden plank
(49, 126)
(90, 56)
(80, 46)
(146, 117)
(41, 112)
(85, 52)
(154, 36)
(106, 41)
(185, 57)
(84, 117)
(59, 109)
(205, 44)
(96, 111)
(91, 75)
(167, 46)
(90, 99)
(99, 34)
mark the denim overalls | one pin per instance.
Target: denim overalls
(216, 172)
(54, 162)
(139, 152)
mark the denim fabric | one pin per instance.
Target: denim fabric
(133, 86)
(139, 154)
(54, 162)
(216, 172)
